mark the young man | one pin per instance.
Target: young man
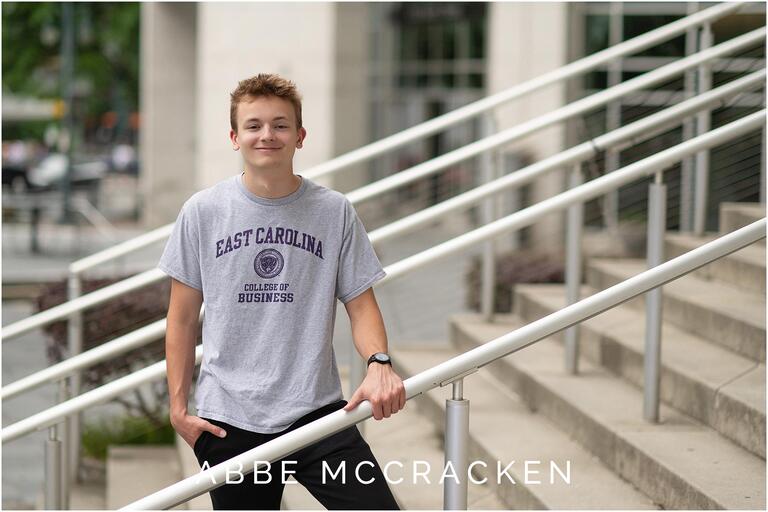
(269, 252)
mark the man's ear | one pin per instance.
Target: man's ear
(233, 138)
(302, 136)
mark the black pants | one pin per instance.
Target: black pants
(369, 491)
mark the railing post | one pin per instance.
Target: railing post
(456, 448)
(75, 342)
(657, 200)
(703, 124)
(53, 498)
(509, 164)
(489, 214)
(686, 166)
(762, 166)
(574, 226)
(613, 116)
(64, 430)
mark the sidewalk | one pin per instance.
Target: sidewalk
(60, 245)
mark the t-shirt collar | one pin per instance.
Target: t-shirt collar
(270, 201)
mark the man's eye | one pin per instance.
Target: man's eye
(282, 126)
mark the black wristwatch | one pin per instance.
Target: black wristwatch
(379, 357)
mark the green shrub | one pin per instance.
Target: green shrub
(523, 266)
(97, 436)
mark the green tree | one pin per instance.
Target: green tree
(107, 53)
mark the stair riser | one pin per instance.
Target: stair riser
(734, 419)
(733, 219)
(647, 474)
(516, 496)
(729, 270)
(740, 337)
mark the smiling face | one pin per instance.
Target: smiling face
(267, 133)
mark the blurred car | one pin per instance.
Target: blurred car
(124, 159)
(51, 170)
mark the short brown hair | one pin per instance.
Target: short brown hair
(264, 84)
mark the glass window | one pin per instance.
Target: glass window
(596, 33)
(637, 25)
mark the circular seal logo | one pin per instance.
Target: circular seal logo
(268, 263)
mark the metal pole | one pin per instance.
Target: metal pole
(657, 200)
(67, 81)
(762, 166)
(488, 280)
(63, 429)
(613, 116)
(574, 226)
(512, 164)
(456, 448)
(35, 229)
(703, 124)
(686, 172)
(75, 335)
(53, 499)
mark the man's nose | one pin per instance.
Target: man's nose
(267, 133)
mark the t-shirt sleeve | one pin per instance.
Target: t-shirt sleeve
(181, 258)
(359, 267)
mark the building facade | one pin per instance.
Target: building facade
(368, 70)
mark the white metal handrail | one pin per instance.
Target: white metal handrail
(658, 163)
(94, 298)
(121, 249)
(635, 132)
(103, 352)
(454, 117)
(100, 395)
(430, 167)
(571, 70)
(561, 114)
(457, 367)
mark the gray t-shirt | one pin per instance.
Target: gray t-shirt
(270, 271)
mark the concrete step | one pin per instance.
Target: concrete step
(722, 314)
(82, 496)
(88, 496)
(135, 471)
(678, 463)
(712, 384)
(744, 269)
(503, 429)
(405, 437)
(737, 215)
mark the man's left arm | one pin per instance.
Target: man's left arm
(382, 387)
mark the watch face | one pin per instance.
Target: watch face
(382, 358)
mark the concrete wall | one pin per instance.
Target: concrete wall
(236, 41)
(193, 57)
(350, 95)
(167, 94)
(526, 40)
